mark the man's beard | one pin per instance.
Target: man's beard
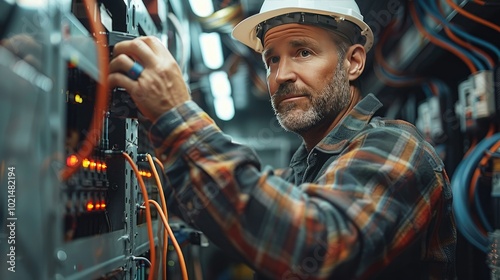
(326, 104)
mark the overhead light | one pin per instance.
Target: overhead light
(219, 84)
(224, 108)
(211, 50)
(202, 8)
(221, 92)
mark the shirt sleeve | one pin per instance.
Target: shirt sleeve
(356, 217)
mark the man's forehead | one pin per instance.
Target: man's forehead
(294, 36)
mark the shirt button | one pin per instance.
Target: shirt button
(313, 157)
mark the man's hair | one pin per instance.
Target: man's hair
(343, 45)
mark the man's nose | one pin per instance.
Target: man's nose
(286, 71)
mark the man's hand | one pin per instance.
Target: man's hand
(160, 87)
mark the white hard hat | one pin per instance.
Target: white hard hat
(342, 16)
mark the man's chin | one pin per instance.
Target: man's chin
(292, 122)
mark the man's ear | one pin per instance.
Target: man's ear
(355, 58)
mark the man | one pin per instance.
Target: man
(364, 198)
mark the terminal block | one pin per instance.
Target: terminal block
(476, 100)
(429, 120)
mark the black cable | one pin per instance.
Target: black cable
(108, 221)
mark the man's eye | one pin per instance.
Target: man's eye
(273, 59)
(305, 53)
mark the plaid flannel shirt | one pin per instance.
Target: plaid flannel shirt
(371, 201)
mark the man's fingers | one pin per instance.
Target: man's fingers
(120, 80)
(138, 50)
(121, 63)
(155, 44)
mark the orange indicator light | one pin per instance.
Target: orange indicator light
(72, 160)
(90, 206)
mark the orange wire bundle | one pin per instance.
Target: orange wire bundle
(163, 212)
(102, 92)
(439, 43)
(148, 213)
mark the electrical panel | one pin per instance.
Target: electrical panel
(91, 225)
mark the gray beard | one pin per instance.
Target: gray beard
(326, 104)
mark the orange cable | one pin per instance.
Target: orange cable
(473, 17)
(102, 92)
(391, 83)
(379, 57)
(164, 207)
(472, 145)
(434, 89)
(148, 214)
(383, 64)
(441, 44)
(468, 45)
(159, 163)
(174, 241)
(459, 41)
(491, 130)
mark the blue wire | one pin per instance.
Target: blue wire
(461, 178)
(443, 39)
(435, 11)
(427, 90)
(444, 89)
(464, 221)
(395, 78)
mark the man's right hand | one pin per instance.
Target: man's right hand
(159, 87)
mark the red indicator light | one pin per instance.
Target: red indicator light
(103, 205)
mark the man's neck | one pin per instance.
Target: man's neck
(314, 136)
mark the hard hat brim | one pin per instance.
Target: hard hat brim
(245, 31)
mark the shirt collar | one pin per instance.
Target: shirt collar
(356, 120)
